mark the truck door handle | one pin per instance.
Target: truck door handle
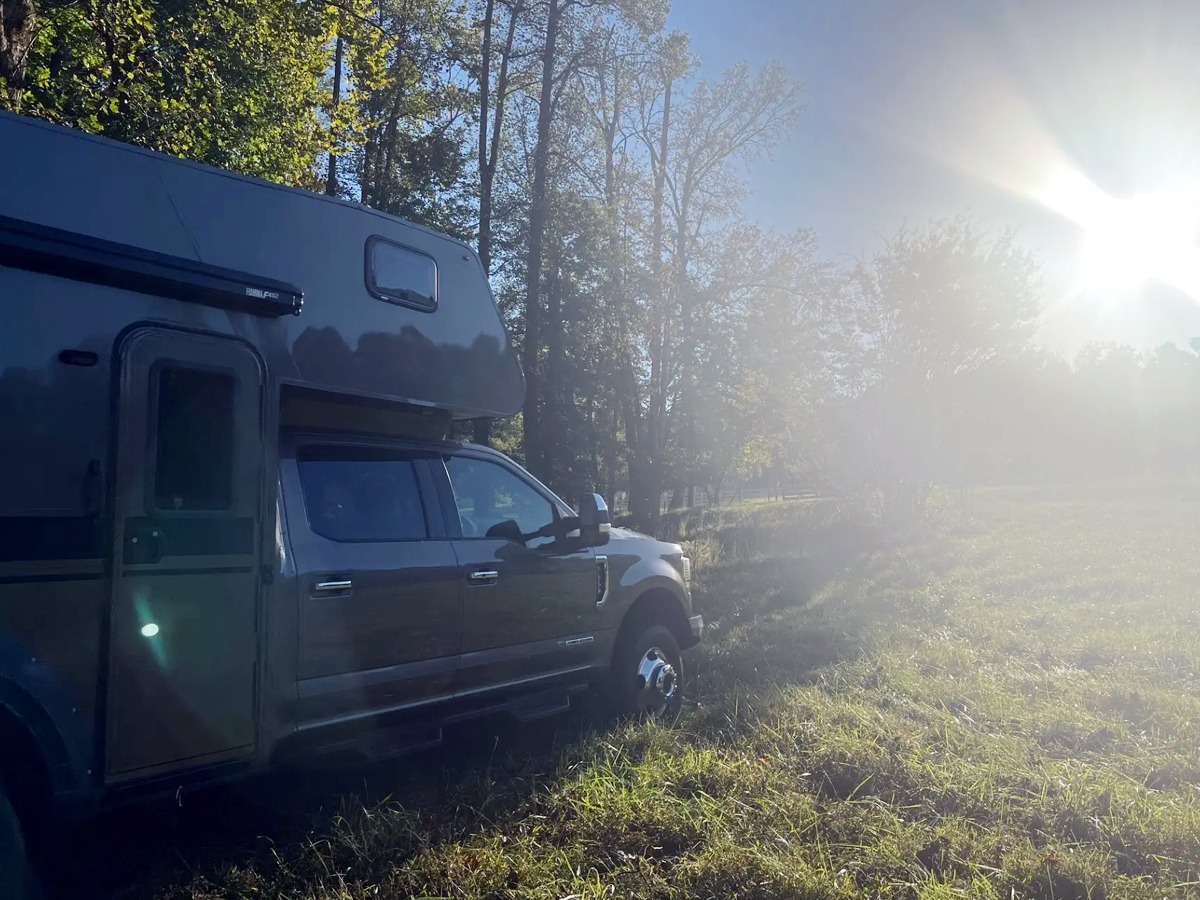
(340, 586)
(484, 576)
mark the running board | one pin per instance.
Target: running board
(540, 706)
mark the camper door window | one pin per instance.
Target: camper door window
(400, 275)
(193, 465)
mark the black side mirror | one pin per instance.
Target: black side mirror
(594, 521)
(507, 530)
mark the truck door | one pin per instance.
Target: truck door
(380, 609)
(529, 607)
(183, 639)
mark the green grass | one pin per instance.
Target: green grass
(1005, 703)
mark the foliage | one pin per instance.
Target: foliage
(233, 84)
(911, 327)
(412, 159)
(671, 348)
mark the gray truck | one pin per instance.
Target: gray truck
(234, 530)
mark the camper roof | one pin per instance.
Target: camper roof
(335, 296)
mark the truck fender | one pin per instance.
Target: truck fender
(657, 593)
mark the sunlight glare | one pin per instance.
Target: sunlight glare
(1130, 241)
(1140, 239)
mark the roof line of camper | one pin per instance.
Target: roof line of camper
(237, 176)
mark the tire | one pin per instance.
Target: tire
(647, 675)
(16, 875)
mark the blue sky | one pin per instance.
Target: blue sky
(925, 108)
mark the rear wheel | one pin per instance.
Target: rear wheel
(16, 876)
(647, 675)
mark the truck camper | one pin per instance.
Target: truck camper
(234, 526)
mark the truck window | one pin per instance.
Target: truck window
(360, 494)
(193, 457)
(487, 494)
(400, 275)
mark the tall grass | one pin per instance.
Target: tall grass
(1004, 704)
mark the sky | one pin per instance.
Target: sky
(1020, 112)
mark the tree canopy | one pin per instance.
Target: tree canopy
(671, 347)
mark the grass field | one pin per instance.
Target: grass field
(1004, 703)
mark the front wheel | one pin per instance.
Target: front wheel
(16, 876)
(647, 675)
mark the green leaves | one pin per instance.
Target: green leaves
(231, 84)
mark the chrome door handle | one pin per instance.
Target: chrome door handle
(484, 575)
(327, 586)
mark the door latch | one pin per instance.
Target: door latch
(143, 545)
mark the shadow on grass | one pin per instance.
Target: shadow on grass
(764, 629)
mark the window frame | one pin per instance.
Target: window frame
(381, 293)
(150, 487)
(449, 505)
(342, 450)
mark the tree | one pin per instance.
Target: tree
(933, 306)
(236, 85)
(413, 159)
(18, 22)
(493, 105)
(719, 123)
(556, 70)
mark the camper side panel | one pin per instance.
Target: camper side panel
(57, 408)
(55, 383)
(449, 350)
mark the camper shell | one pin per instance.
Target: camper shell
(184, 354)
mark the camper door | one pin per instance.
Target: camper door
(183, 643)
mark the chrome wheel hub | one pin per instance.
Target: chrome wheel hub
(657, 681)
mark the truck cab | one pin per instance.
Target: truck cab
(235, 530)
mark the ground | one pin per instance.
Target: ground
(1001, 702)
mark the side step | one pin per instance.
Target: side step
(363, 744)
(540, 706)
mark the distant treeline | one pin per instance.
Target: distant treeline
(666, 342)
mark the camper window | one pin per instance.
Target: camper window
(400, 275)
(193, 459)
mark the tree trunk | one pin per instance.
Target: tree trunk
(485, 102)
(489, 156)
(556, 455)
(17, 28)
(643, 499)
(481, 431)
(539, 203)
(641, 510)
(331, 177)
(653, 448)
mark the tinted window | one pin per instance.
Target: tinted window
(487, 494)
(355, 495)
(193, 458)
(401, 275)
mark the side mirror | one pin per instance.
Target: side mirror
(507, 530)
(594, 521)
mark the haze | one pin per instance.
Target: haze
(923, 109)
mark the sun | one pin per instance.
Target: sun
(1128, 242)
